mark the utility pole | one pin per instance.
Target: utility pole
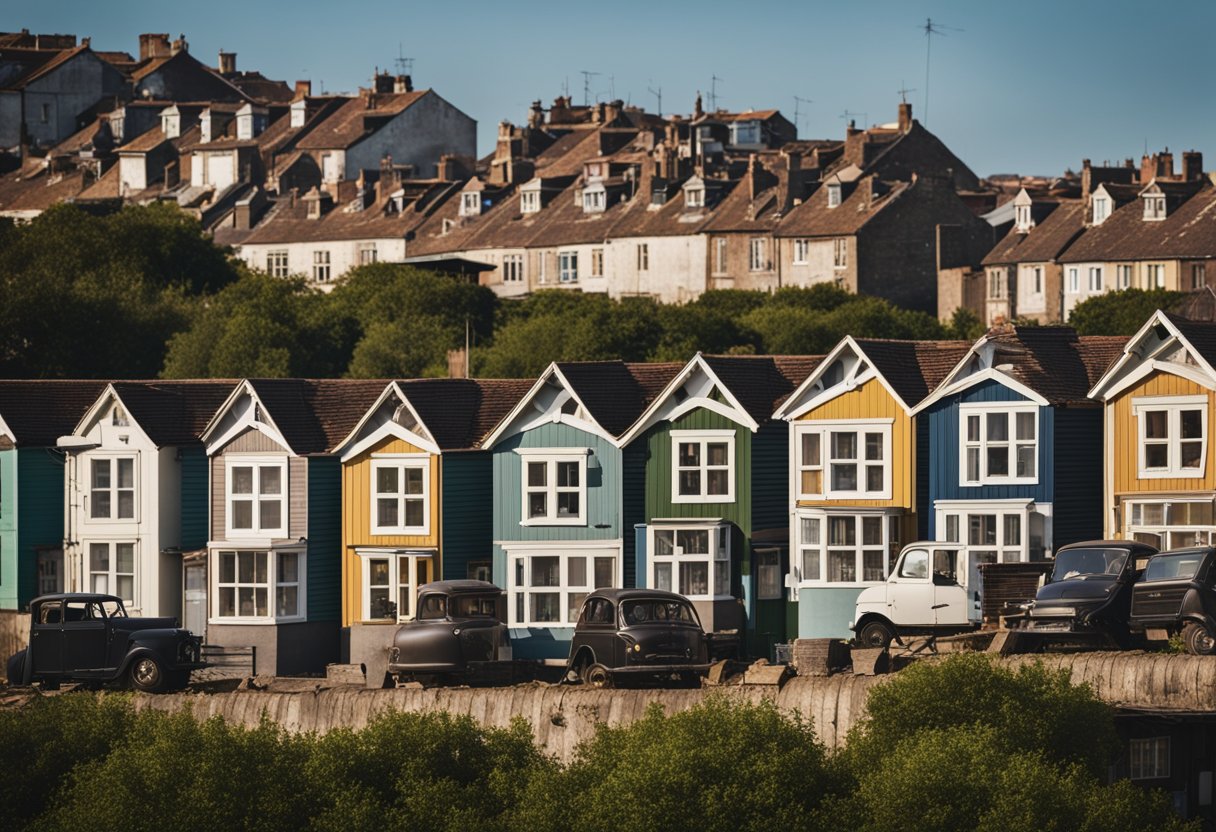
(587, 76)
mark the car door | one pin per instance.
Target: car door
(949, 597)
(910, 591)
(46, 638)
(598, 630)
(85, 638)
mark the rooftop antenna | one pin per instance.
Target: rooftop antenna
(405, 66)
(799, 101)
(612, 88)
(587, 76)
(847, 115)
(566, 86)
(930, 29)
(713, 93)
(903, 91)
(657, 93)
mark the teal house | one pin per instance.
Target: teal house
(33, 415)
(712, 498)
(563, 507)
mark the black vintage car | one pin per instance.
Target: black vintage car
(1089, 593)
(1176, 595)
(89, 638)
(637, 633)
(458, 632)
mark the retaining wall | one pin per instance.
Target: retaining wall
(14, 633)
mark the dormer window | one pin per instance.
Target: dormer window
(694, 197)
(529, 202)
(595, 170)
(1101, 209)
(1022, 218)
(470, 204)
(834, 195)
(1154, 206)
(745, 132)
(594, 200)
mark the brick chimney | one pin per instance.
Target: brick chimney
(382, 82)
(1192, 166)
(180, 45)
(758, 178)
(303, 89)
(227, 63)
(789, 181)
(403, 83)
(1087, 179)
(905, 116)
(612, 111)
(697, 112)
(153, 46)
(536, 116)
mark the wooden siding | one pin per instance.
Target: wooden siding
(770, 477)
(872, 401)
(9, 564)
(603, 509)
(1125, 443)
(39, 514)
(193, 498)
(1077, 502)
(464, 511)
(658, 471)
(324, 499)
(633, 504)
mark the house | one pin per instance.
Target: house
(714, 504)
(567, 494)
(855, 452)
(135, 491)
(166, 71)
(416, 491)
(33, 414)
(1158, 402)
(274, 544)
(1015, 444)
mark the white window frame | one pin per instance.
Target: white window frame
(277, 262)
(643, 257)
(367, 253)
(824, 428)
(1074, 279)
(1199, 275)
(1154, 207)
(111, 461)
(518, 592)
(551, 457)
(1173, 406)
(840, 253)
(1101, 209)
(960, 512)
(594, 200)
(237, 460)
(396, 559)
(802, 250)
(271, 584)
(716, 558)
(1134, 522)
(1095, 278)
(597, 262)
(111, 573)
(996, 284)
(1144, 754)
(703, 438)
(567, 266)
(321, 268)
(470, 204)
(694, 197)
(529, 202)
(1154, 275)
(401, 462)
(512, 268)
(720, 255)
(1037, 272)
(1123, 275)
(757, 254)
(982, 410)
(834, 195)
(818, 522)
(1023, 218)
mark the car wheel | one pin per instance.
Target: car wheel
(147, 675)
(1198, 639)
(875, 634)
(597, 676)
(15, 669)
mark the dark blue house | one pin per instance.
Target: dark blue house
(1014, 463)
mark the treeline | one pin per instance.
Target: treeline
(959, 745)
(143, 293)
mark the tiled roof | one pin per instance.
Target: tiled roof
(347, 125)
(1053, 361)
(913, 368)
(761, 383)
(1046, 241)
(173, 412)
(1200, 334)
(813, 218)
(40, 411)
(1189, 230)
(616, 392)
(145, 141)
(460, 412)
(314, 415)
(35, 63)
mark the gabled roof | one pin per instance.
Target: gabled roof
(1045, 242)
(349, 124)
(172, 412)
(459, 412)
(1150, 349)
(39, 411)
(813, 218)
(36, 63)
(314, 415)
(1188, 230)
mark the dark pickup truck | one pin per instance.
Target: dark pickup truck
(1176, 595)
(89, 638)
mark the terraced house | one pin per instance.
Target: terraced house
(567, 495)
(715, 508)
(416, 491)
(855, 455)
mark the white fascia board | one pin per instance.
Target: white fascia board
(505, 423)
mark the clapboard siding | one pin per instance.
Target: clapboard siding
(297, 498)
(254, 441)
(1126, 441)
(194, 497)
(323, 492)
(39, 514)
(633, 505)
(770, 480)
(659, 467)
(357, 499)
(464, 511)
(1077, 503)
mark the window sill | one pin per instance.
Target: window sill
(264, 621)
(404, 531)
(554, 521)
(1000, 481)
(254, 537)
(702, 498)
(1181, 474)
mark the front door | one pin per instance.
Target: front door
(194, 601)
(50, 571)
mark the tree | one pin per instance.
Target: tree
(965, 325)
(1120, 313)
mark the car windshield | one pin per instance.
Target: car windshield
(475, 605)
(1080, 563)
(648, 610)
(1173, 567)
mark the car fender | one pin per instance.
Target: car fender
(867, 617)
(138, 651)
(582, 650)
(1198, 618)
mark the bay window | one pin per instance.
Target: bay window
(391, 580)
(1173, 435)
(703, 466)
(112, 570)
(997, 531)
(554, 486)
(401, 495)
(548, 587)
(1170, 524)
(253, 585)
(256, 496)
(846, 547)
(840, 460)
(112, 488)
(691, 560)
(998, 444)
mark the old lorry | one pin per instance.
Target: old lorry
(933, 589)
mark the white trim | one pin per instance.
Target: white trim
(563, 589)
(399, 463)
(558, 545)
(112, 573)
(795, 406)
(551, 458)
(1001, 509)
(825, 429)
(394, 556)
(952, 386)
(86, 492)
(386, 430)
(257, 462)
(824, 514)
(1011, 411)
(414, 438)
(268, 427)
(703, 438)
(1103, 389)
(520, 408)
(5, 430)
(656, 411)
(1172, 406)
(716, 557)
(271, 584)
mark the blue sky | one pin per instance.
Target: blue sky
(1026, 87)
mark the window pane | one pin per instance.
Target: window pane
(126, 504)
(842, 565)
(567, 475)
(244, 563)
(101, 504)
(567, 504)
(101, 473)
(998, 461)
(386, 511)
(1190, 454)
(690, 454)
(952, 528)
(386, 480)
(101, 583)
(413, 480)
(973, 428)
(690, 482)
(998, 427)
(414, 513)
(287, 600)
(1013, 530)
(1156, 424)
(715, 454)
(574, 603)
(378, 603)
(538, 474)
(812, 482)
(289, 568)
(271, 480)
(259, 560)
(537, 504)
(242, 514)
(1154, 514)
(693, 541)
(874, 478)
(99, 557)
(810, 530)
(871, 531)
(546, 571)
(126, 471)
(227, 567)
(1025, 427)
(844, 477)
(981, 529)
(245, 601)
(1192, 424)
(545, 606)
(810, 449)
(1156, 456)
(973, 464)
(377, 572)
(844, 445)
(664, 542)
(1026, 459)
(125, 557)
(605, 572)
(576, 571)
(694, 578)
(872, 566)
(662, 576)
(260, 596)
(873, 446)
(718, 482)
(271, 514)
(242, 480)
(810, 564)
(722, 580)
(842, 531)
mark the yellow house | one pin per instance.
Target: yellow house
(854, 447)
(1160, 481)
(416, 501)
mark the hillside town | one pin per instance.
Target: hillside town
(964, 532)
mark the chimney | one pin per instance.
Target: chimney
(613, 110)
(905, 116)
(382, 82)
(153, 46)
(1087, 179)
(1165, 165)
(789, 181)
(757, 177)
(369, 99)
(697, 112)
(852, 129)
(1192, 166)
(180, 45)
(1148, 169)
(536, 116)
(597, 115)
(303, 89)
(227, 63)
(403, 83)
(390, 177)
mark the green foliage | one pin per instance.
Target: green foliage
(965, 325)
(1120, 313)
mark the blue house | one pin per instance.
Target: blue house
(562, 504)
(1014, 462)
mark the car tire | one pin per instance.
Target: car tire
(147, 675)
(595, 675)
(15, 669)
(875, 634)
(1198, 640)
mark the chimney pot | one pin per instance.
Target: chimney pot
(227, 63)
(905, 116)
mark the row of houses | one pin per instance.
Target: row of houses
(301, 516)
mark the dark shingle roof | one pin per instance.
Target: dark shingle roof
(173, 412)
(913, 368)
(1045, 242)
(40, 411)
(351, 122)
(459, 412)
(761, 383)
(1199, 334)
(314, 415)
(1189, 230)
(616, 392)
(1053, 361)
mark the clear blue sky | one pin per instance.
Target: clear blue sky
(1027, 87)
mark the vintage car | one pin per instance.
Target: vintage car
(1176, 595)
(89, 638)
(458, 633)
(1089, 593)
(635, 634)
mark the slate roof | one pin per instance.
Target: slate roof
(1054, 361)
(1044, 242)
(35, 63)
(173, 412)
(40, 411)
(616, 392)
(314, 415)
(813, 218)
(460, 412)
(1189, 230)
(347, 126)
(762, 383)
(1200, 334)
(913, 368)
